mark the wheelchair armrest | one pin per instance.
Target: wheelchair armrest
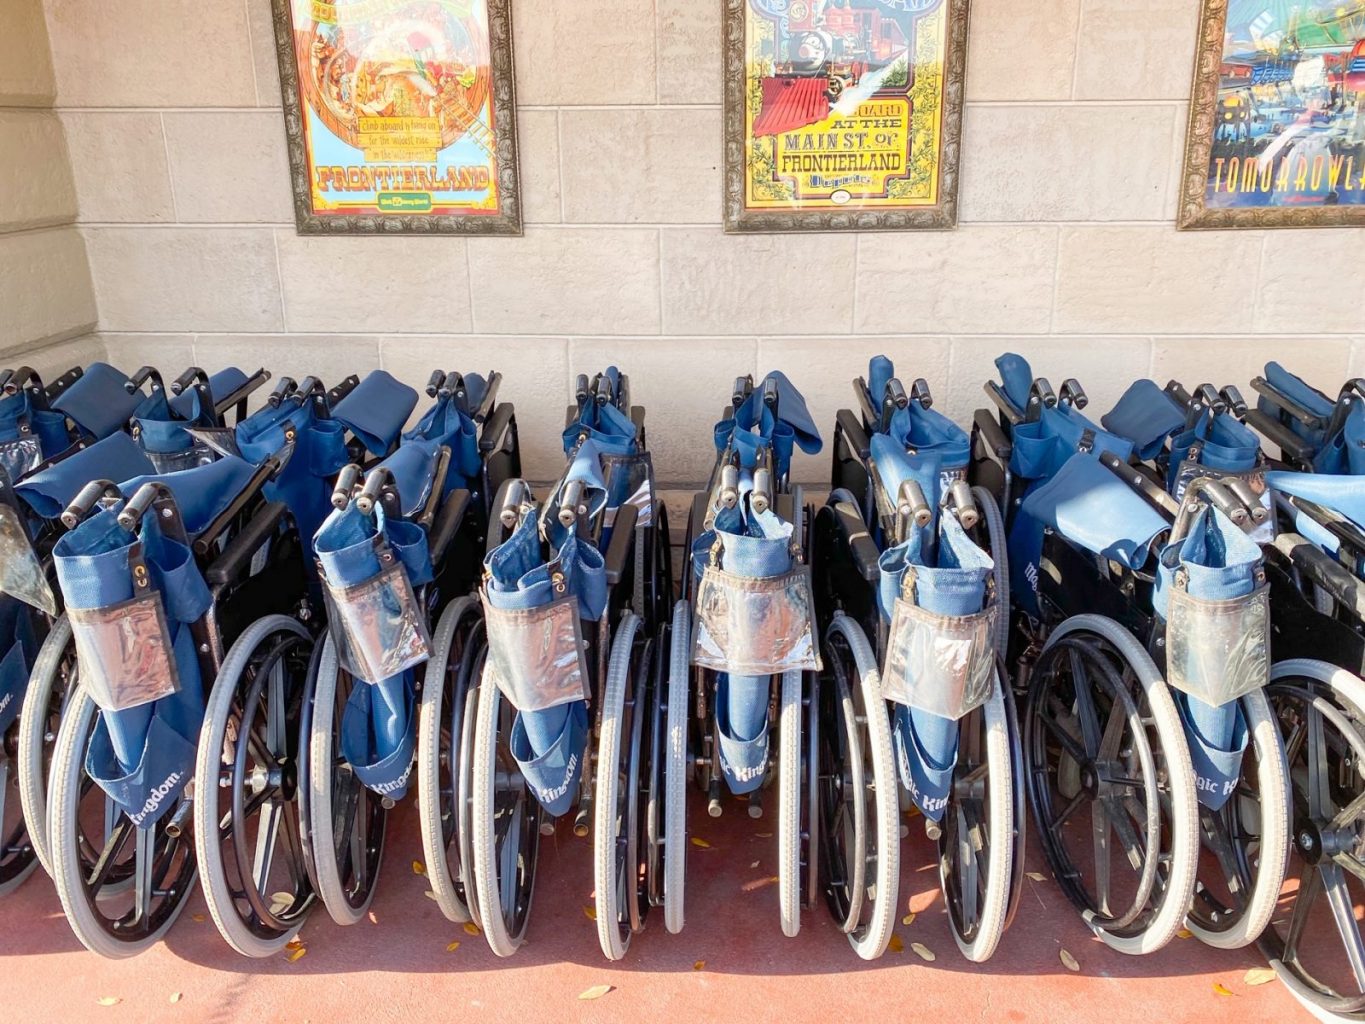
(619, 547)
(854, 433)
(1343, 585)
(222, 405)
(447, 524)
(495, 428)
(1290, 444)
(236, 558)
(860, 543)
(990, 431)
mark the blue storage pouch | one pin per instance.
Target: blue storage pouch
(19, 647)
(316, 450)
(917, 429)
(610, 428)
(99, 402)
(445, 424)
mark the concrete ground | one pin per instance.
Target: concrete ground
(731, 963)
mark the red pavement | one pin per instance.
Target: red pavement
(398, 968)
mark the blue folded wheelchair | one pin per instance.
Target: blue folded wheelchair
(399, 561)
(567, 686)
(54, 439)
(1316, 570)
(745, 649)
(1135, 564)
(913, 595)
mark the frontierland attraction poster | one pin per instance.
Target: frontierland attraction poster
(1277, 116)
(843, 114)
(400, 115)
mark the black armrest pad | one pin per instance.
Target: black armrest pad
(855, 434)
(993, 435)
(233, 563)
(619, 547)
(1293, 446)
(495, 428)
(860, 542)
(447, 523)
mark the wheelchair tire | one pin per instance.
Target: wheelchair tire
(504, 876)
(346, 884)
(1337, 697)
(444, 705)
(789, 791)
(994, 523)
(1272, 798)
(49, 690)
(870, 934)
(992, 747)
(85, 908)
(1163, 909)
(255, 929)
(615, 872)
(675, 768)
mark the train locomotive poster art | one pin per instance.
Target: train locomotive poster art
(842, 114)
(400, 115)
(1277, 118)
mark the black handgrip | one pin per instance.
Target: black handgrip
(5, 375)
(919, 392)
(21, 378)
(993, 435)
(740, 392)
(770, 395)
(582, 391)
(436, 383)
(193, 375)
(495, 428)
(283, 389)
(447, 524)
(490, 397)
(236, 558)
(860, 543)
(621, 544)
(854, 434)
(604, 391)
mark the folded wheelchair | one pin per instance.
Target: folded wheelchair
(399, 553)
(1316, 570)
(1133, 567)
(160, 574)
(745, 642)
(56, 439)
(913, 592)
(566, 691)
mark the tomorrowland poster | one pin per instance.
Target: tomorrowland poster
(1277, 117)
(843, 114)
(400, 115)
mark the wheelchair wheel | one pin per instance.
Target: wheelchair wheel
(1238, 888)
(505, 824)
(17, 858)
(976, 848)
(619, 841)
(110, 916)
(994, 524)
(1317, 949)
(675, 767)
(346, 822)
(246, 814)
(49, 690)
(1100, 728)
(444, 747)
(789, 793)
(859, 814)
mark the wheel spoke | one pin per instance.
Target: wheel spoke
(1085, 705)
(1349, 814)
(144, 860)
(1218, 839)
(1068, 741)
(113, 846)
(1339, 899)
(1319, 779)
(1128, 837)
(1099, 830)
(267, 835)
(1310, 887)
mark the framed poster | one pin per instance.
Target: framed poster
(400, 115)
(843, 115)
(1277, 116)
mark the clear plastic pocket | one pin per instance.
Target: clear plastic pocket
(199, 454)
(377, 626)
(1218, 651)
(124, 652)
(20, 456)
(755, 627)
(942, 664)
(537, 654)
(21, 573)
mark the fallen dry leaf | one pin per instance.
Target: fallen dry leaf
(923, 952)
(1037, 876)
(700, 965)
(297, 954)
(765, 835)
(430, 895)
(451, 947)
(175, 997)
(1221, 990)
(108, 1000)
(1259, 976)
(590, 913)
(758, 883)
(198, 918)
(700, 843)
(1184, 933)
(896, 944)
(753, 865)
(295, 943)
(471, 928)
(280, 902)
(1069, 961)
(596, 992)
(418, 868)
(373, 918)
(908, 919)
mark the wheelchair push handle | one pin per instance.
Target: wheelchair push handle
(86, 499)
(159, 497)
(959, 499)
(1073, 395)
(912, 507)
(582, 390)
(516, 502)
(148, 373)
(603, 390)
(347, 480)
(729, 486)
(1040, 397)
(771, 396)
(285, 387)
(1233, 400)
(193, 376)
(920, 393)
(571, 504)
(24, 377)
(761, 499)
(5, 375)
(739, 394)
(379, 487)
(436, 385)
(1241, 490)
